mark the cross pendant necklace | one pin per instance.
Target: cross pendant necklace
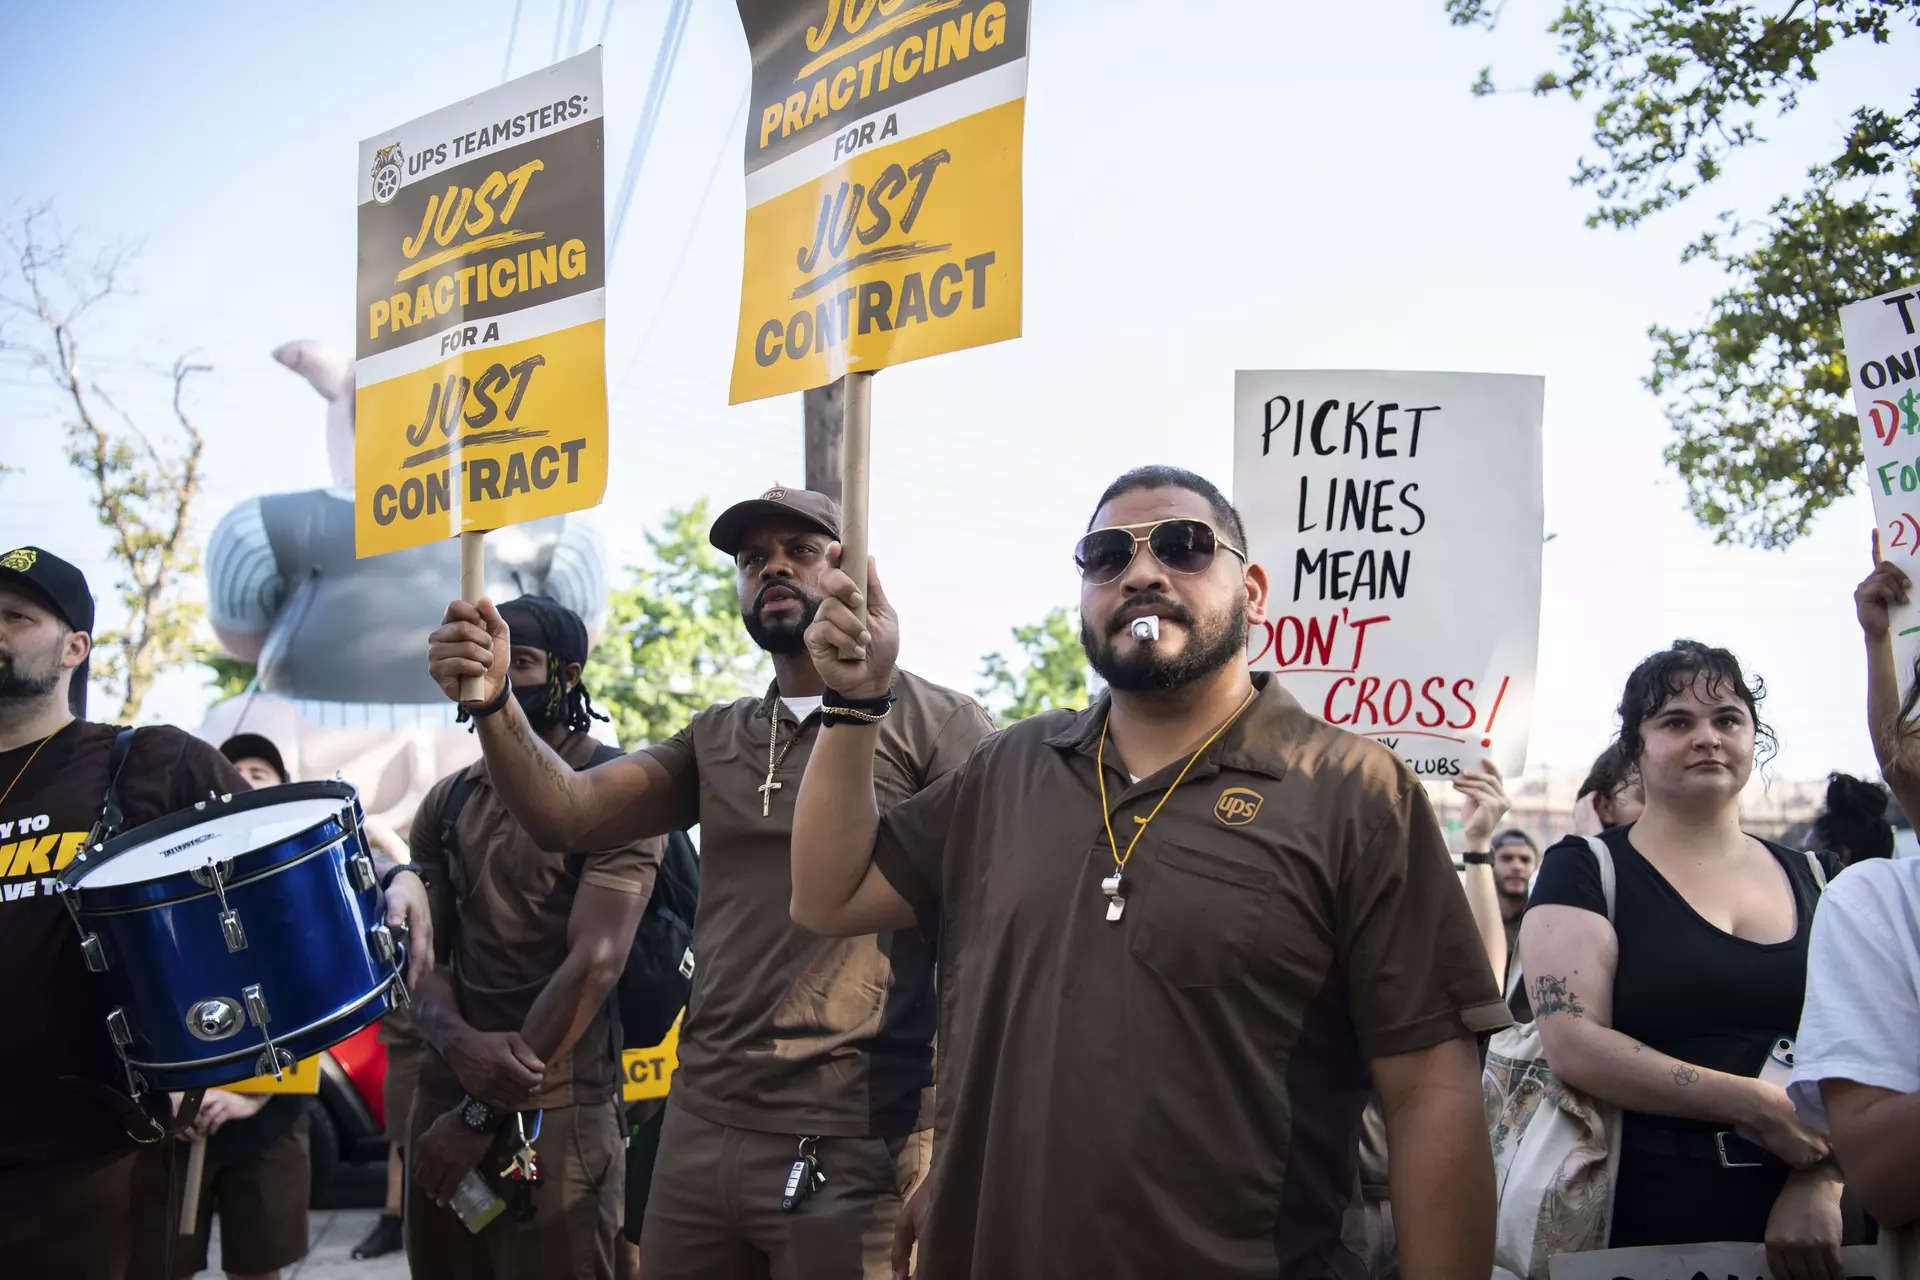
(767, 788)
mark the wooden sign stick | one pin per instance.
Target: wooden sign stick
(858, 405)
(190, 1201)
(473, 581)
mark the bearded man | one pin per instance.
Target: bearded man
(1181, 934)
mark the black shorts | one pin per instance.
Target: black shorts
(644, 1119)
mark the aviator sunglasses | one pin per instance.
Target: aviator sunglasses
(1183, 545)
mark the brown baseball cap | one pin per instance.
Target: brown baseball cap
(816, 509)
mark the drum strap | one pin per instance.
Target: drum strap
(112, 814)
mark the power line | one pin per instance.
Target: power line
(513, 30)
(606, 20)
(579, 26)
(686, 242)
(649, 114)
(559, 25)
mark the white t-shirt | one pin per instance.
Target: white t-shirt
(802, 707)
(1861, 1021)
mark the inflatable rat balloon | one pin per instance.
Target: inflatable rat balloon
(340, 643)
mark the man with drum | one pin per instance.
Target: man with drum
(1179, 932)
(797, 1053)
(80, 1195)
(523, 1047)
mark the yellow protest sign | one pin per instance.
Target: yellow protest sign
(648, 1073)
(481, 395)
(883, 185)
(302, 1077)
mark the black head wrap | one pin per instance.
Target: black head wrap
(545, 623)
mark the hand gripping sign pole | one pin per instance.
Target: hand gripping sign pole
(853, 483)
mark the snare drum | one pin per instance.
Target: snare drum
(237, 936)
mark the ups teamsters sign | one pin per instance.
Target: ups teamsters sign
(883, 185)
(480, 344)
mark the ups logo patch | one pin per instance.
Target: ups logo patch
(1237, 806)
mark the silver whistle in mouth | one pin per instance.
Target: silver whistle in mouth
(1145, 629)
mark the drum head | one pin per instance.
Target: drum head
(219, 832)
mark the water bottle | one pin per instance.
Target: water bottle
(476, 1202)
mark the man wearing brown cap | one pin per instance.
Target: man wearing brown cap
(79, 1193)
(800, 1111)
(1181, 933)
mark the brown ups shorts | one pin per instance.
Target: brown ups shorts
(261, 1197)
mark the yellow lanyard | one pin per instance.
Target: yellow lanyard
(1114, 885)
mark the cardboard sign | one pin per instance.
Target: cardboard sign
(1398, 516)
(302, 1077)
(1883, 365)
(480, 317)
(883, 185)
(648, 1073)
(1695, 1262)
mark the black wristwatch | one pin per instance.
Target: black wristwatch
(481, 1117)
(1477, 859)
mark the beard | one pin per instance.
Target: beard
(1210, 646)
(21, 682)
(782, 635)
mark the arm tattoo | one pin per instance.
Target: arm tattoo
(1684, 1075)
(1550, 995)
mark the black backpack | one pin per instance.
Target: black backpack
(658, 978)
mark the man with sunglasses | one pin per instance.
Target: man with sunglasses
(1180, 934)
(796, 1052)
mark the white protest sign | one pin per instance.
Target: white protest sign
(1399, 519)
(1695, 1261)
(1883, 365)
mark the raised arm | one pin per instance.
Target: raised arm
(1570, 955)
(1487, 803)
(615, 803)
(837, 889)
(1896, 739)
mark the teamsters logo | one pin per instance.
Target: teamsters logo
(20, 560)
(386, 173)
(1237, 806)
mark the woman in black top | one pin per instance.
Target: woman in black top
(1670, 1013)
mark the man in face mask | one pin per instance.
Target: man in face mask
(521, 1049)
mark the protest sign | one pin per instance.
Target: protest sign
(1696, 1262)
(1399, 519)
(648, 1073)
(1883, 366)
(883, 185)
(481, 394)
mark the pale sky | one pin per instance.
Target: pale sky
(1209, 186)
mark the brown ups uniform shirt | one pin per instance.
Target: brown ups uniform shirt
(1176, 1093)
(788, 1032)
(508, 934)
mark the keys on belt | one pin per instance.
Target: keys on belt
(804, 1177)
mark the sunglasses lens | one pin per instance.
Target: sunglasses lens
(1103, 555)
(1184, 546)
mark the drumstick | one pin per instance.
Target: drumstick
(190, 1203)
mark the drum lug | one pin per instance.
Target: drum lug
(96, 955)
(360, 866)
(118, 1031)
(257, 1010)
(232, 930)
(382, 940)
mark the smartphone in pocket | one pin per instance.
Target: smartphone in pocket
(1778, 1069)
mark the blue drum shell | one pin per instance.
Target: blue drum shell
(307, 948)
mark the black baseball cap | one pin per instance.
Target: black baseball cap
(62, 588)
(816, 509)
(254, 746)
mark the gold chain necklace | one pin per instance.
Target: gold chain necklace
(1114, 886)
(29, 764)
(766, 789)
